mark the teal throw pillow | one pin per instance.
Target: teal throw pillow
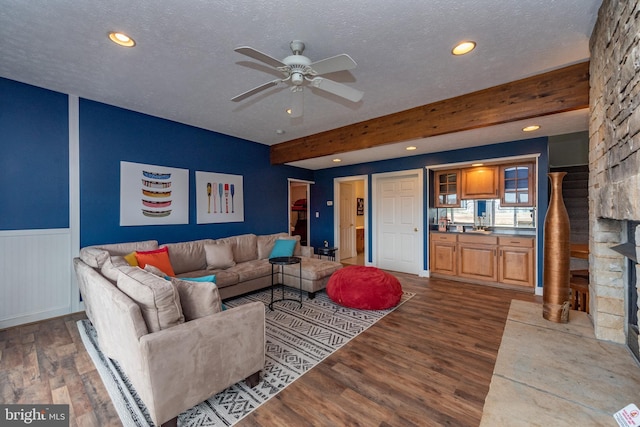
(211, 278)
(283, 247)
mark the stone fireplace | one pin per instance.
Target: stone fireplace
(614, 170)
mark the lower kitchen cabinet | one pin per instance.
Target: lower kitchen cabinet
(443, 253)
(483, 258)
(515, 261)
(477, 257)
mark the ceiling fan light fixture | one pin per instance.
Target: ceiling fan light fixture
(121, 39)
(530, 128)
(463, 48)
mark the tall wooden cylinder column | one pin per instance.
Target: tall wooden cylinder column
(557, 254)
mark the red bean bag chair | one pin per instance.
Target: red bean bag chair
(366, 288)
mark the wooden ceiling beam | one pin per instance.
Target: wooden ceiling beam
(554, 92)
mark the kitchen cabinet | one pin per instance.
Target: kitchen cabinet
(515, 261)
(517, 184)
(493, 258)
(477, 257)
(443, 254)
(447, 189)
(480, 183)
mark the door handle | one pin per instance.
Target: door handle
(415, 229)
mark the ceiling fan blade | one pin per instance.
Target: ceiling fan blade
(338, 89)
(255, 90)
(333, 64)
(297, 98)
(262, 57)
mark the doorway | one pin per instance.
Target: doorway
(298, 210)
(350, 219)
(398, 218)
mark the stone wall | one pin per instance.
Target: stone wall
(614, 157)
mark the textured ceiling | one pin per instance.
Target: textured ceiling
(184, 67)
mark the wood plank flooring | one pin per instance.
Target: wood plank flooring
(429, 363)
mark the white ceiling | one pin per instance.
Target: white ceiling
(184, 67)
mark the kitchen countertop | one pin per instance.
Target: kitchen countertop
(507, 233)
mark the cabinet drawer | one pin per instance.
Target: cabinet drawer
(478, 239)
(442, 237)
(521, 242)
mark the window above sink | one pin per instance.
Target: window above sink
(480, 214)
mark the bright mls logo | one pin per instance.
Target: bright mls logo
(34, 415)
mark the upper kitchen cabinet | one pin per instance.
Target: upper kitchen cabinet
(480, 183)
(447, 189)
(516, 185)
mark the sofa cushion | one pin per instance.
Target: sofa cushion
(158, 258)
(95, 255)
(245, 246)
(312, 268)
(110, 268)
(198, 299)
(158, 298)
(155, 270)
(188, 256)
(252, 269)
(219, 255)
(266, 242)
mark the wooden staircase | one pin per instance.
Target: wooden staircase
(575, 192)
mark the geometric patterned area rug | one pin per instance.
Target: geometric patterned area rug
(297, 339)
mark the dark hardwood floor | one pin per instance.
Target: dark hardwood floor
(428, 363)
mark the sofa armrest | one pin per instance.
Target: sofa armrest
(306, 251)
(188, 363)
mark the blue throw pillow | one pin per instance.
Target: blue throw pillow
(211, 278)
(283, 247)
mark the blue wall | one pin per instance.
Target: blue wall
(322, 227)
(34, 157)
(34, 166)
(109, 135)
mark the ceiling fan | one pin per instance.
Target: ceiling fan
(298, 71)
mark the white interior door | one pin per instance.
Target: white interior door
(347, 221)
(399, 219)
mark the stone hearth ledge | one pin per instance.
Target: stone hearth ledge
(558, 374)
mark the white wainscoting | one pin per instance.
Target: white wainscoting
(35, 275)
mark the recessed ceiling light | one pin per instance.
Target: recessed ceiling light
(280, 132)
(464, 47)
(411, 148)
(477, 164)
(121, 39)
(337, 160)
(288, 111)
(530, 128)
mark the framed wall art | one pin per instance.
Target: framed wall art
(153, 195)
(219, 198)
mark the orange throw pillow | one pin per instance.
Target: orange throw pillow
(158, 258)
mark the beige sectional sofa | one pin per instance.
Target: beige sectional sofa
(249, 270)
(172, 339)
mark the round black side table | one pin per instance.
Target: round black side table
(282, 261)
